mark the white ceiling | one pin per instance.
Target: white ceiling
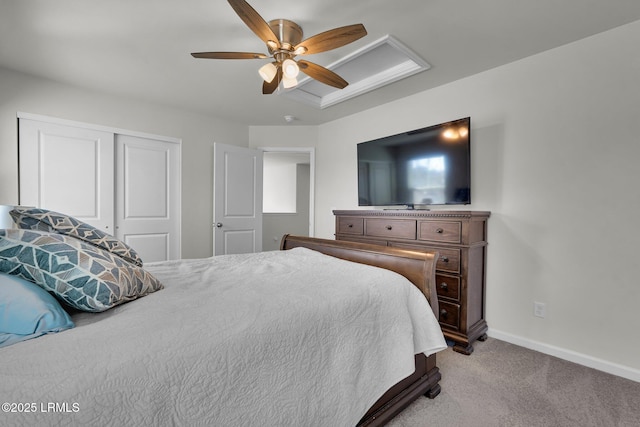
(141, 48)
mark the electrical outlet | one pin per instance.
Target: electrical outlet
(539, 309)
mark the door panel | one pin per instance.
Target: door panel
(237, 200)
(240, 177)
(151, 246)
(67, 169)
(58, 176)
(145, 181)
(148, 196)
(238, 241)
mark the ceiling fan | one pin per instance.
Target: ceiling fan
(284, 42)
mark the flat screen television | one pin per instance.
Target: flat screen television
(428, 166)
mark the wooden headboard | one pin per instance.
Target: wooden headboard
(417, 266)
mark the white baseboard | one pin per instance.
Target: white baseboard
(571, 356)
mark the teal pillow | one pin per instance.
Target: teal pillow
(28, 311)
(80, 274)
(55, 222)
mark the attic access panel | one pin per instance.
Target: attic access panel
(380, 63)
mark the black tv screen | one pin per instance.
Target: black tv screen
(428, 166)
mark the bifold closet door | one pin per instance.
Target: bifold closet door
(68, 169)
(125, 185)
(148, 196)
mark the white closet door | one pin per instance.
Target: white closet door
(67, 169)
(148, 196)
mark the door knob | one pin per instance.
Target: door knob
(218, 224)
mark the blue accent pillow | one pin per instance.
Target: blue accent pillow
(55, 222)
(80, 274)
(28, 311)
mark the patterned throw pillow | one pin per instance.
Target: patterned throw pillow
(80, 274)
(54, 222)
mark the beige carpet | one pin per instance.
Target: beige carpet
(502, 384)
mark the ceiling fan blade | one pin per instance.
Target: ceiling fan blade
(254, 21)
(331, 39)
(322, 74)
(269, 87)
(228, 55)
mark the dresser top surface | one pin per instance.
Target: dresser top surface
(414, 213)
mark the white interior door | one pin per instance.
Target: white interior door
(148, 196)
(237, 200)
(68, 169)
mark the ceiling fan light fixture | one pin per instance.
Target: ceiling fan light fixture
(289, 82)
(300, 50)
(290, 69)
(268, 72)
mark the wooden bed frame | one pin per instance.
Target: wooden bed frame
(419, 268)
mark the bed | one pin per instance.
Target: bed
(320, 333)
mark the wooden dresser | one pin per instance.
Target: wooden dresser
(460, 237)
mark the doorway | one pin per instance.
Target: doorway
(288, 193)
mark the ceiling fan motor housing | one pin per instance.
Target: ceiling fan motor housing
(288, 32)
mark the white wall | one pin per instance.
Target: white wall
(555, 158)
(19, 92)
(279, 185)
(283, 136)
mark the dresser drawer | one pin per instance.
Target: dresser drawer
(391, 228)
(449, 259)
(348, 225)
(449, 314)
(440, 231)
(448, 286)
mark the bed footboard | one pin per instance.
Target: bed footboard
(424, 381)
(417, 266)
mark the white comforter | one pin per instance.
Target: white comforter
(278, 338)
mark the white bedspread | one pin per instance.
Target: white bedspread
(284, 338)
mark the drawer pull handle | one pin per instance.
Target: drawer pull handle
(439, 230)
(389, 227)
(350, 225)
(443, 313)
(444, 286)
(444, 259)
